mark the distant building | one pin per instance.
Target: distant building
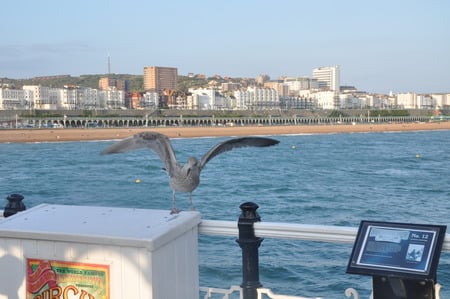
(69, 98)
(328, 78)
(160, 78)
(356, 100)
(426, 101)
(298, 84)
(133, 101)
(262, 79)
(325, 99)
(164, 81)
(407, 100)
(15, 99)
(229, 86)
(112, 99)
(257, 98)
(280, 87)
(412, 100)
(149, 100)
(107, 83)
(90, 99)
(44, 97)
(202, 98)
(441, 100)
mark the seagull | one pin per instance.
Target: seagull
(183, 178)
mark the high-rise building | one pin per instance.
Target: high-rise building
(328, 77)
(160, 79)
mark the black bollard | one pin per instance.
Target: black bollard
(249, 244)
(14, 205)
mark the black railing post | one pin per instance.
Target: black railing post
(249, 244)
(14, 205)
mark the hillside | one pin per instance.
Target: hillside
(136, 82)
(91, 81)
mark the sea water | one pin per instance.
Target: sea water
(327, 179)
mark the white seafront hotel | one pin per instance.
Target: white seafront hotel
(249, 98)
(10, 99)
(202, 98)
(412, 100)
(255, 98)
(68, 98)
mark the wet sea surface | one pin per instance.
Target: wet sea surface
(330, 179)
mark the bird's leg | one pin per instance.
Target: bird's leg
(190, 200)
(174, 205)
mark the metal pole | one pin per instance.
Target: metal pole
(249, 244)
(14, 205)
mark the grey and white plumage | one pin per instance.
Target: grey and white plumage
(183, 178)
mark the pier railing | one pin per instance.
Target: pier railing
(279, 230)
(250, 232)
(276, 230)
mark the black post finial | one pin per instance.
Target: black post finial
(14, 205)
(249, 244)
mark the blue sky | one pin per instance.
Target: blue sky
(381, 46)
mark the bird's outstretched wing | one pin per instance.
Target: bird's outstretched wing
(158, 143)
(236, 143)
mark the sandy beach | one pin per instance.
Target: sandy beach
(58, 135)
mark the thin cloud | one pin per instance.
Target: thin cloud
(41, 49)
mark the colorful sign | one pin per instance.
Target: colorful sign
(48, 279)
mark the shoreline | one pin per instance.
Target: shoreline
(90, 134)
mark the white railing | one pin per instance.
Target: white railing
(278, 230)
(262, 293)
(225, 293)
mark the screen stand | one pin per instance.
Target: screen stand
(399, 288)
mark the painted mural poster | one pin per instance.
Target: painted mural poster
(66, 280)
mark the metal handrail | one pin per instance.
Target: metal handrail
(292, 231)
(280, 230)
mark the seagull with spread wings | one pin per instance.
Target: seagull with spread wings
(183, 178)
